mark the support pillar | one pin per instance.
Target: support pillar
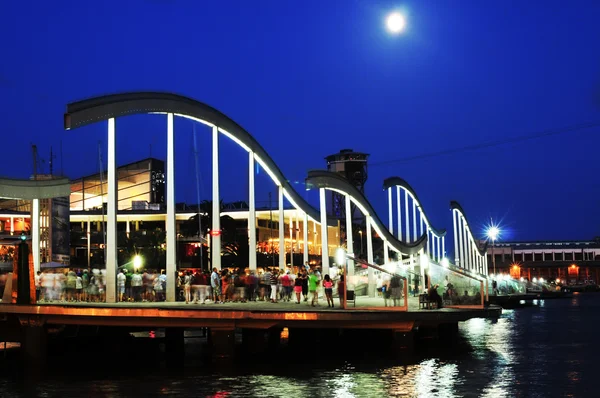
(398, 208)
(34, 347)
(407, 216)
(439, 252)
(455, 226)
(251, 214)
(370, 273)
(111, 216)
(390, 213)
(403, 341)
(386, 252)
(35, 234)
(281, 230)
(254, 341)
(461, 254)
(171, 225)
(349, 238)
(89, 245)
(324, 238)
(222, 342)
(12, 225)
(305, 238)
(443, 253)
(174, 347)
(291, 228)
(414, 219)
(215, 247)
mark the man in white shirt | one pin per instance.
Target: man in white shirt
(121, 284)
(215, 283)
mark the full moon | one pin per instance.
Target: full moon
(395, 22)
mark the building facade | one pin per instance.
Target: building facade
(572, 262)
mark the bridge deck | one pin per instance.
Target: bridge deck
(259, 315)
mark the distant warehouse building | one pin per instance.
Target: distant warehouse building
(572, 262)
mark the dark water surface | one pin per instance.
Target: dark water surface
(547, 351)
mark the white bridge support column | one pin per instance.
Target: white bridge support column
(35, 234)
(171, 225)
(89, 244)
(407, 215)
(443, 247)
(398, 209)
(281, 229)
(428, 247)
(485, 265)
(455, 226)
(440, 255)
(370, 274)
(291, 241)
(414, 219)
(386, 252)
(390, 212)
(461, 255)
(324, 240)
(111, 216)
(305, 239)
(215, 247)
(349, 238)
(251, 214)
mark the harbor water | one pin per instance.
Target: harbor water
(548, 350)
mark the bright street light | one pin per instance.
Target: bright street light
(137, 261)
(493, 233)
(340, 257)
(395, 22)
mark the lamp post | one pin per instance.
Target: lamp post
(493, 233)
(361, 242)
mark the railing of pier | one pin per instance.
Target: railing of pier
(393, 295)
(459, 288)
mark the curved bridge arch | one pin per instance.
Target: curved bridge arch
(436, 237)
(102, 108)
(335, 182)
(400, 182)
(109, 107)
(467, 253)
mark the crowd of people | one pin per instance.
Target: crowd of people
(89, 285)
(268, 285)
(192, 286)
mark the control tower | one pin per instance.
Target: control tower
(353, 166)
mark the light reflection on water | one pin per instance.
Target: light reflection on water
(543, 351)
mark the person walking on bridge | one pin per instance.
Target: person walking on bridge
(215, 283)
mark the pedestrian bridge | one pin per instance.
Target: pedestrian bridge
(413, 247)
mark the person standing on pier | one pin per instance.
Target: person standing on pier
(274, 280)
(313, 285)
(328, 286)
(121, 284)
(304, 279)
(215, 283)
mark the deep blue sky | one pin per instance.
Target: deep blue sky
(308, 78)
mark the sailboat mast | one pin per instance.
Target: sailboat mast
(198, 196)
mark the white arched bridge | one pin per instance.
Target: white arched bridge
(410, 242)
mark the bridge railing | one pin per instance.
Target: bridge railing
(458, 288)
(391, 296)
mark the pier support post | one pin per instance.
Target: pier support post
(33, 345)
(448, 331)
(253, 341)
(403, 341)
(274, 337)
(174, 347)
(222, 342)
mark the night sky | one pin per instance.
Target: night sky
(308, 78)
